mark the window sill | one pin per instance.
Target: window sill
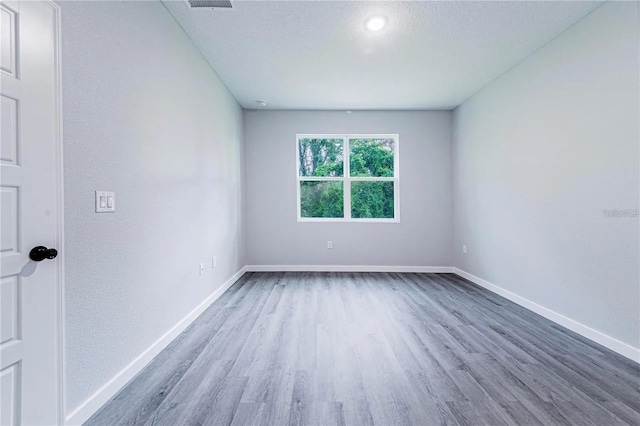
(341, 220)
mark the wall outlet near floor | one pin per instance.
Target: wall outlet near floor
(329, 244)
(214, 263)
(202, 269)
(464, 249)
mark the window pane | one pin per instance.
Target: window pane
(321, 157)
(371, 157)
(372, 200)
(321, 199)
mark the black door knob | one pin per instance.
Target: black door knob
(40, 253)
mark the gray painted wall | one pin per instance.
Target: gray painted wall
(144, 116)
(538, 155)
(423, 236)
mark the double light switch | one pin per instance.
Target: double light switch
(105, 202)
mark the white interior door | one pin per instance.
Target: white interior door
(29, 214)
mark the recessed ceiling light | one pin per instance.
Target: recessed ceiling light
(261, 103)
(348, 112)
(375, 23)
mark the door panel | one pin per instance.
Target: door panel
(8, 55)
(10, 305)
(10, 389)
(9, 149)
(29, 214)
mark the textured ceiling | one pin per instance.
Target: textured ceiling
(318, 55)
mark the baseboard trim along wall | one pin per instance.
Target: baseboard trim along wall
(609, 342)
(347, 268)
(88, 408)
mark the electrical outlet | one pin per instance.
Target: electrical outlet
(464, 249)
(202, 269)
(213, 262)
(329, 244)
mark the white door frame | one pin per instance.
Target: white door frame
(60, 208)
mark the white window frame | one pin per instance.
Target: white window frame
(346, 179)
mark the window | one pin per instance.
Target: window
(347, 178)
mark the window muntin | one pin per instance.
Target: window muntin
(361, 186)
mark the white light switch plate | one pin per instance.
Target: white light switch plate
(105, 202)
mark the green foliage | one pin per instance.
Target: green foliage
(371, 200)
(371, 157)
(321, 157)
(367, 158)
(321, 199)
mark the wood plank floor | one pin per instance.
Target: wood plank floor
(374, 348)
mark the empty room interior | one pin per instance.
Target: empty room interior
(351, 213)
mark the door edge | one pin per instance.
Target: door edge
(60, 278)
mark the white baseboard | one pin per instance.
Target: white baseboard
(82, 413)
(347, 268)
(615, 345)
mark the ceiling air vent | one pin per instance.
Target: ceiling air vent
(209, 3)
